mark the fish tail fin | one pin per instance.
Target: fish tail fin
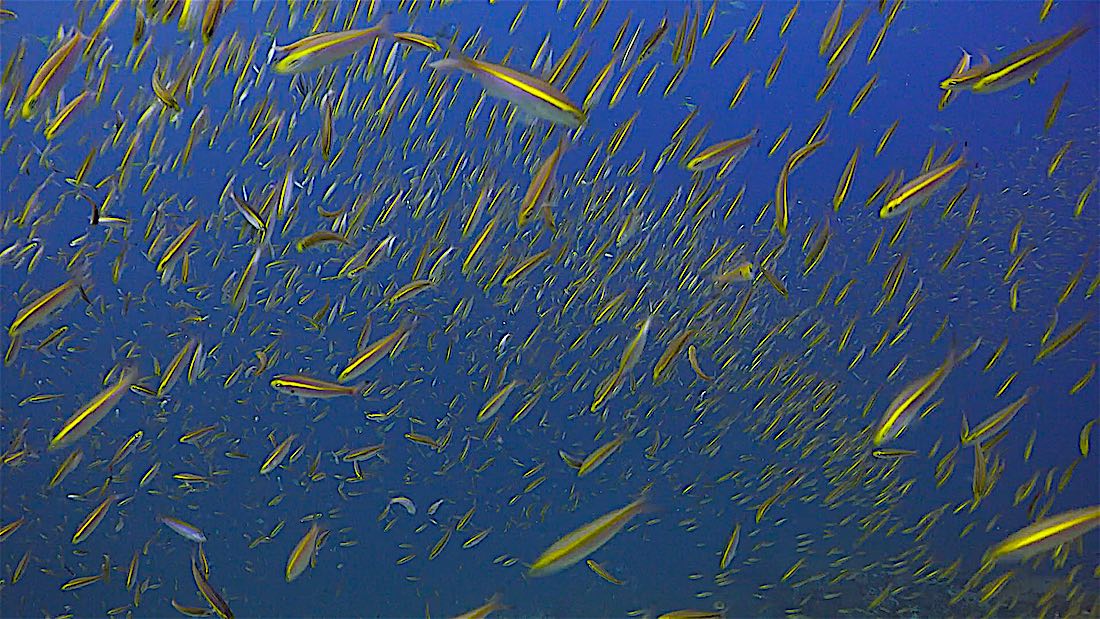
(265, 242)
(273, 50)
(81, 274)
(455, 60)
(13, 348)
(128, 373)
(1077, 31)
(450, 63)
(385, 30)
(963, 355)
(964, 435)
(496, 602)
(643, 502)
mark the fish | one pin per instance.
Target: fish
(731, 547)
(1044, 535)
(527, 265)
(309, 387)
(404, 502)
(653, 40)
(441, 544)
(910, 400)
(693, 360)
(602, 572)
(845, 182)
(832, 25)
(94, 518)
(726, 154)
(8, 528)
(862, 95)
(531, 94)
(417, 41)
(68, 465)
(67, 114)
(541, 186)
(493, 605)
(476, 538)
(1053, 345)
(320, 238)
(741, 271)
(920, 189)
(176, 251)
(92, 412)
(52, 74)
(961, 68)
(1055, 105)
(40, 310)
(177, 367)
(125, 449)
(191, 611)
(692, 613)
(496, 401)
(782, 210)
(187, 530)
(585, 540)
(1017, 67)
(363, 453)
(241, 291)
(211, 17)
(600, 454)
(405, 269)
(80, 582)
(996, 422)
(888, 453)
(410, 290)
(661, 369)
(277, 455)
(211, 595)
(325, 48)
(303, 553)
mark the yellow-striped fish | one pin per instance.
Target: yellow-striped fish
(585, 540)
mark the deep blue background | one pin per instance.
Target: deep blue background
(671, 559)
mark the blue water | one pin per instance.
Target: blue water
(451, 364)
